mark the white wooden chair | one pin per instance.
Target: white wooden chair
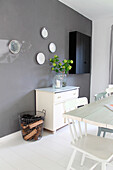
(100, 96)
(109, 91)
(110, 85)
(93, 147)
(73, 104)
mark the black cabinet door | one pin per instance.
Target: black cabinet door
(80, 52)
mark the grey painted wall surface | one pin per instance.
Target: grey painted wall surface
(22, 20)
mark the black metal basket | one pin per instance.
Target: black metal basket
(31, 124)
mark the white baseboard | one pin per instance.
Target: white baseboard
(12, 135)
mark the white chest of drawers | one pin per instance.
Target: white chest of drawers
(52, 101)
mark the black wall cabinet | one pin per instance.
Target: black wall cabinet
(80, 52)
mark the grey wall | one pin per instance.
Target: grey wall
(22, 20)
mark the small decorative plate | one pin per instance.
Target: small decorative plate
(52, 48)
(44, 33)
(14, 46)
(40, 58)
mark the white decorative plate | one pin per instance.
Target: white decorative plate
(40, 58)
(44, 32)
(52, 48)
(14, 46)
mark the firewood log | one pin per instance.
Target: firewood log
(24, 132)
(30, 138)
(30, 134)
(24, 126)
(36, 136)
(32, 125)
(39, 130)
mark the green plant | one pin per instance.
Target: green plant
(60, 67)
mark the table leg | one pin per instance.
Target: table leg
(103, 166)
(99, 131)
(83, 159)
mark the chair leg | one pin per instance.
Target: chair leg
(103, 166)
(83, 159)
(104, 134)
(99, 131)
(71, 160)
(94, 166)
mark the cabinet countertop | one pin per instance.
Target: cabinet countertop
(53, 90)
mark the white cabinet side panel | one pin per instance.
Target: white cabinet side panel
(44, 100)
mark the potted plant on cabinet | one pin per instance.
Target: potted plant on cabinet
(61, 68)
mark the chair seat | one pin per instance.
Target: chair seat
(95, 146)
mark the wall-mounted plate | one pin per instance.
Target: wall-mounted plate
(52, 47)
(40, 58)
(44, 33)
(14, 46)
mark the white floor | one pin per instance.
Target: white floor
(52, 152)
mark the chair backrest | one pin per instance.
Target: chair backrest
(109, 91)
(74, 103)
(100, 96)
(71, 105)
(81, 101)
(76, 130)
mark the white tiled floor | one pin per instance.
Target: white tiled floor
(52, 152)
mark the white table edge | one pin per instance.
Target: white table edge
(72, 117)
(99, 124)
(110, 126)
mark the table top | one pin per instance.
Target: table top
(95, 113)
(53, 90)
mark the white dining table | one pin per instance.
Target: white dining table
(95, 113)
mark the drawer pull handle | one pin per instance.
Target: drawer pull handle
(59, 97)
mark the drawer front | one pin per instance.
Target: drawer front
(63, 96)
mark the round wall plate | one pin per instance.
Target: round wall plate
(44, 33)
(40, 58)
(52, 47)
(14, 46)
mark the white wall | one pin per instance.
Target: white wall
(100, 55)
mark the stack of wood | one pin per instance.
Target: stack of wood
(33, 130)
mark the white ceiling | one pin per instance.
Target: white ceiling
(92, 9)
